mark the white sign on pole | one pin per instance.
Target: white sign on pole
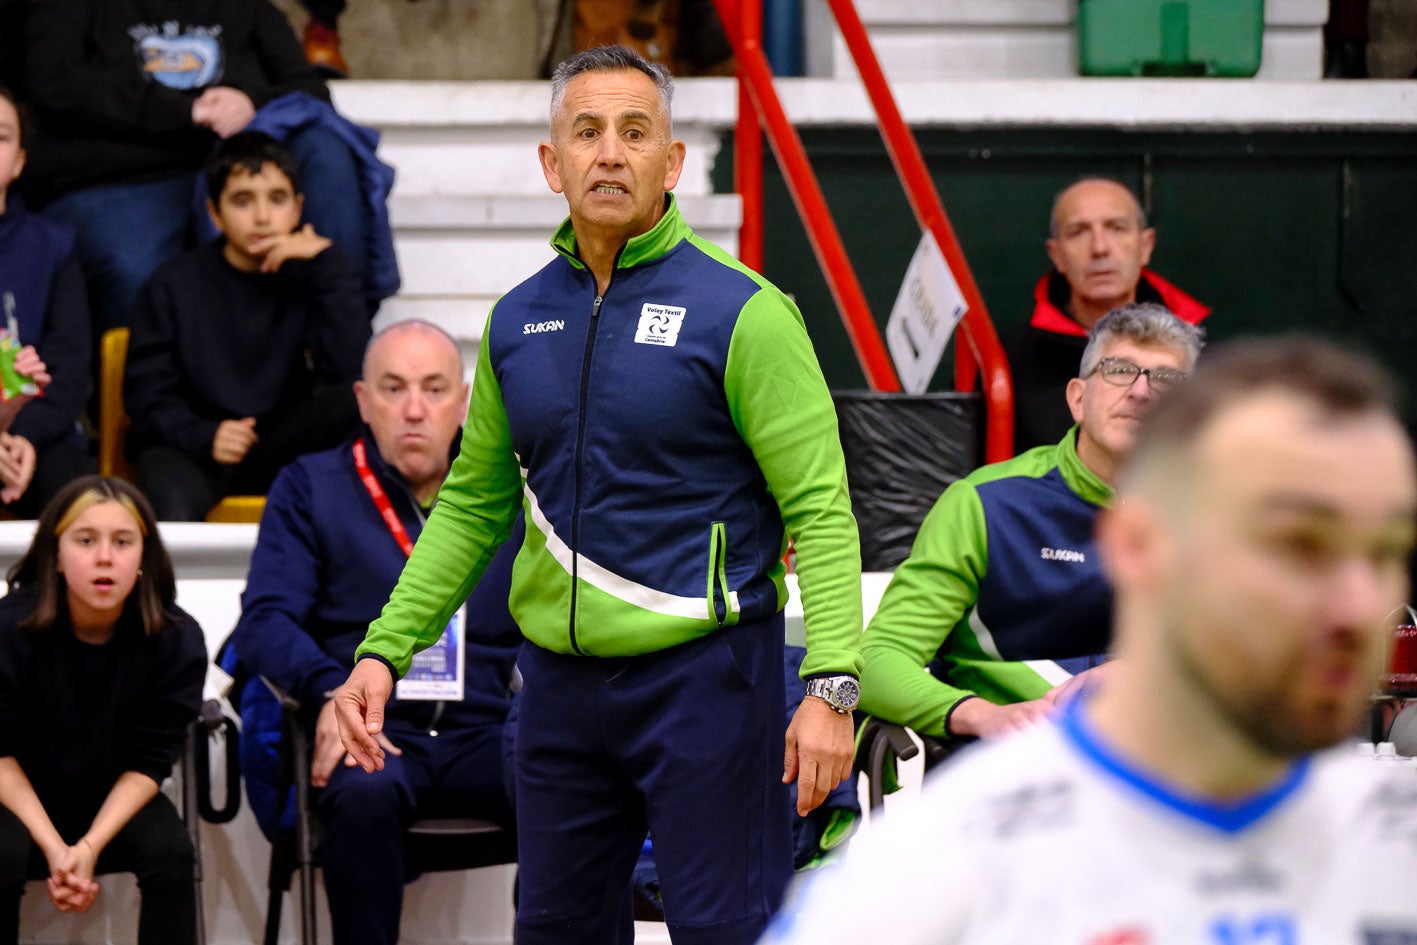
(924, 316)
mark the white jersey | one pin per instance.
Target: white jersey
(1048, 837)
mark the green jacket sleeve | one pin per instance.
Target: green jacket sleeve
(781, 407)
(929, 594)
(476, 507)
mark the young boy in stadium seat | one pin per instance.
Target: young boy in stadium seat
(244, 350)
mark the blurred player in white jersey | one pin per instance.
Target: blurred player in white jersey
(1258, 547)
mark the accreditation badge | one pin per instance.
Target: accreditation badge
(437, 672)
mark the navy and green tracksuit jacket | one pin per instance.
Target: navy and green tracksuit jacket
(661, 437)
(1003, 591)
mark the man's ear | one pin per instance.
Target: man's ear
(676, 164)
(1132, 541)
(550, 166)
(1055, 252)
(361, 393)
(1148, 243)
(1076, 387)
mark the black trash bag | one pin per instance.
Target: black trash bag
(902, 450)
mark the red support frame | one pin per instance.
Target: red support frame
(744, 28)
(748, 154)
(977, 348)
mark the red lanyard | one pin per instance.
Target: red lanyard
(381, 498)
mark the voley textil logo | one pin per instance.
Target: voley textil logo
(659, 325)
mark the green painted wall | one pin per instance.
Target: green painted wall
(1301, 230)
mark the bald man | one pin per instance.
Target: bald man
(1100, 246)
(336, 532)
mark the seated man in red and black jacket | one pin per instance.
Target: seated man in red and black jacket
(1100, 245)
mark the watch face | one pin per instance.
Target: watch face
(848, 693)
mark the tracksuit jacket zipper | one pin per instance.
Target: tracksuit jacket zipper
(580, 447)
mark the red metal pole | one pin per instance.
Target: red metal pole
(748, 152)
(755, 73)
(981, 338)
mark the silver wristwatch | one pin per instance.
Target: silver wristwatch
(842, 693)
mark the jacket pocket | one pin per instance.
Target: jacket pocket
(717, 596)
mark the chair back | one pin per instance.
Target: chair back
(113, 420)
(431, 844)
(240, 509)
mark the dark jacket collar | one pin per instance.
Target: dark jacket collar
(391, 479)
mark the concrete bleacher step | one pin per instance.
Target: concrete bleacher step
(1019, 39)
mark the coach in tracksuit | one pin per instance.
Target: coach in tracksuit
(660, 410)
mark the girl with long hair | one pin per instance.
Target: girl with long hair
(100, 673)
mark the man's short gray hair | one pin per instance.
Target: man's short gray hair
(608, 59)
(1144, 323)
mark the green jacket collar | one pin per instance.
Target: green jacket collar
(1079, 478)
(665, 235)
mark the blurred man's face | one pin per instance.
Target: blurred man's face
(414, 398)
(1100, 246)
(1282, 573)
(612, 154)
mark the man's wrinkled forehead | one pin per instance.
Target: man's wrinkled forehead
(600, 96)
(390, 351)
(1096, 199)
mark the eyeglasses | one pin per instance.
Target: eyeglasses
(1120, 372)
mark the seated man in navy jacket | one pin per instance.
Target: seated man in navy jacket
(337, 529)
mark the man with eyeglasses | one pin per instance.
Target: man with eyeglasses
(1100, 245)
(1003, 598)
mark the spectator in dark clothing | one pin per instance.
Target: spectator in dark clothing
(42, 286)
(131, 95)
(1100, 245)
(100, 673)
(244, 350)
